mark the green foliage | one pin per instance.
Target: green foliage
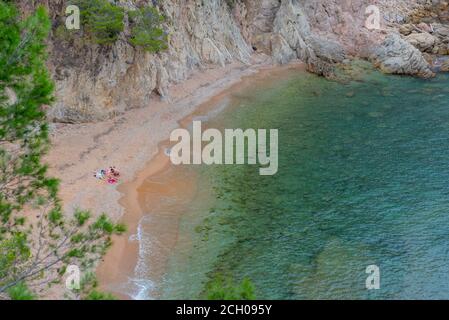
(102, 20)
(36, 251)
(55, 216)
(14, 251)
(221, 288)
(97, 295)
(146, 29)
(81, 217)
(104, 224)
(20, 292)
(120, 228)
(24, 87)
(88, 289)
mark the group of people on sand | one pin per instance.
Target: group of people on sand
(110, 175)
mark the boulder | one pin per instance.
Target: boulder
(406, 29)
(445, 66)
(425, 27)
(441, 32)
(397, 56)
(281, 50)
(422, 41)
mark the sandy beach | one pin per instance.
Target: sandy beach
(133, 142)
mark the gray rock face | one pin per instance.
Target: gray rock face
(445, 66)
(260, 20)
(422, 41)
(95, 82)
(397, 56)
(293, 37)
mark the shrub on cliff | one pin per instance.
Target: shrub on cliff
(101, 20)
(146, 29)
(37, 241)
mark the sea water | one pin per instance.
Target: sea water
(363, 180)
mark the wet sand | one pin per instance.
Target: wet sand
(128, 141)
(146, 196)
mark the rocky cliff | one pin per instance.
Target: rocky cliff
(95, 82)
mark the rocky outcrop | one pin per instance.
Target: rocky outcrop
(97, 82)
(423, 41)
(426, 28)
(445, 66)
(397, 56)
(293, 37)
(431, 38)
(324, 33)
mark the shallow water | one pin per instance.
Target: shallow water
(363, 179)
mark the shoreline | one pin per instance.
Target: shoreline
(121, 260)
(119, 142)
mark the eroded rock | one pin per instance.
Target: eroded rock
(397, 56)
(422, 41)
(96, 82)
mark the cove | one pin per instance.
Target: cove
(363, 180)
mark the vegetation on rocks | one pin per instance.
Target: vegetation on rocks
(101, 20)
(146, 30)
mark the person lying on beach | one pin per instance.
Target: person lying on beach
(99, 174)
(114, 172)
(112, 180)
(110, 175)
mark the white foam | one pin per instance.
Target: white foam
(140, 287)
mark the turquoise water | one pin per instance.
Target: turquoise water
(363, 179)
